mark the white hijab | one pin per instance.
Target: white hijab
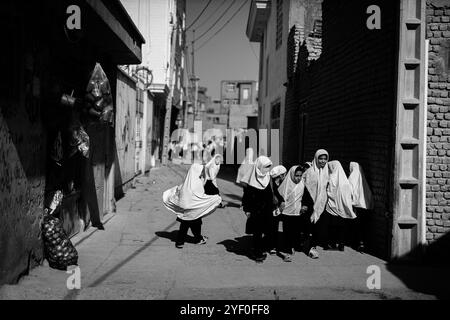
(361, 193)
(292, 193)
(316, 180)
(188, 200)
(339, 192)
(212, 169)
(277, 171)
(246, 165)
(258, 176)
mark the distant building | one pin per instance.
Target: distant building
(240, 100)
(163, 23)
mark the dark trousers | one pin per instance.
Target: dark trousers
(331, 229)
(196, 229)
(359, 226)
(310, 232)
(272, 232)
(291, 232)
(261, 226)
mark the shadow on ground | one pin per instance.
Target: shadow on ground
(426, 269)
(172, 236)
(241, 246)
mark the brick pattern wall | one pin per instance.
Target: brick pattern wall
(438, 128)
(304, 44)
(351, 101)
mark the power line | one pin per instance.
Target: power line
(201, 13)
(212, 15)
(226, 23)
(217, 21)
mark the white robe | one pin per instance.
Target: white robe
(292, 194)
(258, 177)
(339, 192)
(316, 180)
(188, 200)
(212, 170)
(361, 193)
(246, 165)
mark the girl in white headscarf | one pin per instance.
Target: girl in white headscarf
(246, 165)
(339, 205)
(212, 169)
(190, 203)
(277, 175)
(259, 203)
(292, 189)
(316, 181)
(362, 200)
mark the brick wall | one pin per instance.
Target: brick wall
(349, 107)
(304, 44)
(438, 128)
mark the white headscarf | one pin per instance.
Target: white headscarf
(258, 176)
(246, 165)
(316, 180)
(339, 192)
(361, 194)
(212, 169)
(292, 193)
(188, 200)
(277, 171)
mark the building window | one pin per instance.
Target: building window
(245, 94)
(275, 115)
(279, 31)
(231, 87)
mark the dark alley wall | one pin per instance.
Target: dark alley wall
(349, 101)
(22, 146)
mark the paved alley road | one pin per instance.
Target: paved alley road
(135, 258)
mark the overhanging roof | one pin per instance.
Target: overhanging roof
(257, 19)
(117, 35)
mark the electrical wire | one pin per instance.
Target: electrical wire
(198, 17)
(215, 23)
(212, 15)
(226, 23)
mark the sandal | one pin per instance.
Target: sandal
(287, 258)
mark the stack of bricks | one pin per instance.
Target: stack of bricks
(438, 128)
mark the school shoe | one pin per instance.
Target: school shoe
(260, 258)
(313, 253)
(361, 247)
(179, 245)
(203, 241)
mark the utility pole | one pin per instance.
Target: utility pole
(166, 142)
(194, 77)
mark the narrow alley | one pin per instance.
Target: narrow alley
(135, 258)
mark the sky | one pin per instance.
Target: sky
(227, 56)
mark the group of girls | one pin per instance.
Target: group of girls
(313, 201)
